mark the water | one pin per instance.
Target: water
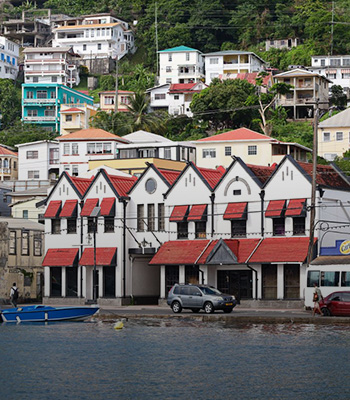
(159, 360)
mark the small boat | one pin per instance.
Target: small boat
(41, 313)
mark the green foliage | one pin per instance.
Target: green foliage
(20, 132)
(182, 127)
(83, 71)
(107, 82)
(10, 102)
(338, 97)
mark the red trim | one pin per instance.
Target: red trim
(104, 256)
(295, 208)
(236, 211)
(60, 258)
(69, 208)
(53, 209)
(197, 212)
(107, 206)
(275, 208)
(179, 213)
(89, 205)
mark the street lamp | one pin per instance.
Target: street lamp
(95, 214)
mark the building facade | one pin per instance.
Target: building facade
(8, 164)
(180, 97)
(74, 117)
(9, 54)
(281, 43)
(107, 100)
(41, 103)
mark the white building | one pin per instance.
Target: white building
(9, 54)
(180, 64)
(50, 65)
(38, 160)
(335, 68)
(95, 36)
(227, 64)
(159, 97)
(180, 97)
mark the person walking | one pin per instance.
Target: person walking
(317, 297)
(14, 294)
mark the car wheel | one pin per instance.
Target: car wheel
(176, 307)
(227, 310)
(326, 312)
(208, 308)
(195, 310)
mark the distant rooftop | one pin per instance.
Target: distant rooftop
(179, 49)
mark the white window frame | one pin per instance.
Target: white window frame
(209, 153)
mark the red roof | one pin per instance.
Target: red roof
(274, 250)
(91, 134)
(179, 213)
(89, 205)
(5, 151)
(69, 208)
(72, 110)
(261, 172)
(122, 184)
(275, 208)
(235, 211)
(169, 175)
(251, 76)
(53, 209)
(197, 212)
(107, 206)
(325, 175)
(295, 207)
(237, 134)
(60, 257)
(82, 184)
(104, 256)
(212, 176)
(182, 87)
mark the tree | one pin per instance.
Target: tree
(338, 97)
(10, 103)
(113, 122)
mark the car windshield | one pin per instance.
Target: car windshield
(212, 291)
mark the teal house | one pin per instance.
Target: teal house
(41, 103)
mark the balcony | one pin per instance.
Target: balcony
(39, 101)
(54, 161)
(40, 119)
(44, 61)
(72, 125)
(43, 73)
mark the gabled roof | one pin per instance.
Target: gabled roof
(120, 184)
(146, 137)
(72, 110)
(82, 184)
(212, 176)
(261, 172)
(179, 49)
(236, 135)
(7, 152)
(169, 175)
(341, 119)
(185, 87)
(298, 72)
(91, 134)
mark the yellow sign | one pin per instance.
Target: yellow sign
(345, 247)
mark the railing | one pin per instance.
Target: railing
(72, 125)
(54, 161)
(44, 60)
(39, 118)
(40, 101)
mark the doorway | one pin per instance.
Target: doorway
(238, 283)
(109, 282)
(269, 279)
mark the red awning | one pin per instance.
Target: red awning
(53, 209)
(296, 208)
(236, 211)
(89, 205)
(69, 209)
(275, 208)
(197, 213)
(107, 206)
(179, 213)
(104, 256)
(280, 250)
(61, 258)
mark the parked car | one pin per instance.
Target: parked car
(199, 297)
(336, 303)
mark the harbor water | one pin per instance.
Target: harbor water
(174, 360)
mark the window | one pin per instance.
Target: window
(32, 154)
(329, 278)
(75, 170)
(176, 97)
(66, 148)
(214, 60)
(55, 226)
(168, 80)
(312, 278)
(54, 79)
(159, 96)
(54, 156)
(140, 216)
(237, 192)
(75, 148)
(41, 94)
(208, 153)
(99, 46)
(150, 217)
(238, 228)
(107, 148)
(299, 226)
(167, 154)
(32, 113)
(37, 244)
(345, 278)
(109, 100)
(323, 62)
(30, 95)
(151, 185)
(228, 151)
(182, 230)
(35, 80)
(187, 56)
(335, 62)
(92, 226)
(25, 243)
(69, 118)
(12, 242)
(278, 227)
(201, 229)
(33, 174)
(109, 224)
(252, 150)
(25, 214)
(161, 215)
(326, 136)
(170, 57)
(124, 99)
(339, 136)
(84, 47)
(71, 225)
(49, 113)
(167, 69)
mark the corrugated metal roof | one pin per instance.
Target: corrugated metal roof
(340, 120)
(122, 184)
(212, 176)
(331, 260)
(236, 134)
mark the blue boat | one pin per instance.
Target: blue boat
(40, 313)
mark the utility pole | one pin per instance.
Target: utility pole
(332, 28)
(156, 28)
(116, 85)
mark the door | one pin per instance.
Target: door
(292, 281)
(109, 282)
(71, 282)
(238, 283)
(171, 277)
(269, 278)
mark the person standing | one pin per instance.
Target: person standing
(317, 297)
(14, 294)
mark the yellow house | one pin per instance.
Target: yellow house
(252, 147)
(333, 136)
(107, 100)
(75, 117)
(8, 164)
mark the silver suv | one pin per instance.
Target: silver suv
(198, 297)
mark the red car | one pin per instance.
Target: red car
(337, 303)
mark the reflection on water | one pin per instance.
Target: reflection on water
(185, 360)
